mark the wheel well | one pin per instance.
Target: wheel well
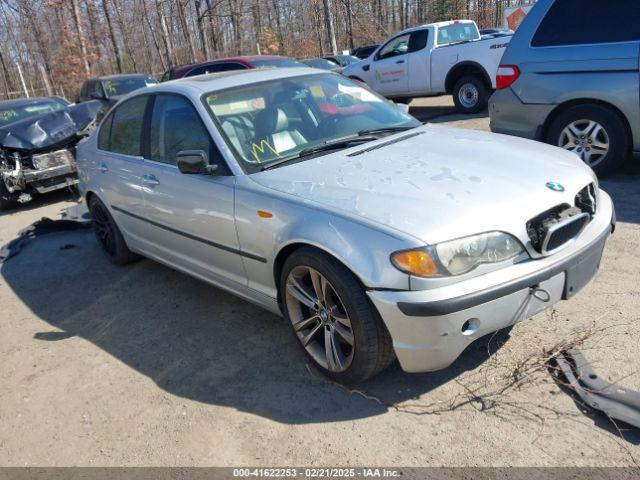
(358, 79)
(586, 102)
(88, 197)
(464, 69)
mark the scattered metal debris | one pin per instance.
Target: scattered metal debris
(614, 401)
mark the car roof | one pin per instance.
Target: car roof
(219, 81)
(22, 102)
(244, 59)
(121, 76)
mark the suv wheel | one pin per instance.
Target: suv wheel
(470, 94)
(108, 234)
(594, 133)
(8, 200)
(332, 317)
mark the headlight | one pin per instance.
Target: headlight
(52, 159)
(458, 256)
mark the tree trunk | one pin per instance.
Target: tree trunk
(112, 36)
(81, 40)
(328, 18)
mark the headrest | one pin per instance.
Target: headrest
(271, 120)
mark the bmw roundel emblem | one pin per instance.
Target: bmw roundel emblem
(556, 187)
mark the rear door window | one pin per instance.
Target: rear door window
(126, 126)
(583, 22)
(418, 40)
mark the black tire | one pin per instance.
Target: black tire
(477, 88)
(614, 127)
(8, 200)
(372, 351)
(108, 234)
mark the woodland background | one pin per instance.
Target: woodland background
(56, 44)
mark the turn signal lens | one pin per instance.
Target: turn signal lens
(415, 262)
(507, 74)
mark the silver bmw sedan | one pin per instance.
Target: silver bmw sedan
(376, 237)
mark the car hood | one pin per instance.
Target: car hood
(438, 183)
(49, 130)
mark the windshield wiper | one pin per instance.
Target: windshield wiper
(375, 131)
(327, 146)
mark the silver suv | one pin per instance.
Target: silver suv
(570, 77)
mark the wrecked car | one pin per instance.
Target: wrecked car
(372, 234)
(37, 148)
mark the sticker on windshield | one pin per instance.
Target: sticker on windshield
(262, 148)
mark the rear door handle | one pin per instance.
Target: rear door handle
(150, 180)
(102, 168)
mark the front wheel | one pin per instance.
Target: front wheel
(332, 318)
(8, 200)
(470, 94)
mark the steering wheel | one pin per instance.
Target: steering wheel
(328, 124)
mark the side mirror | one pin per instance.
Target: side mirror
(96, 96)
(403, 107)
(194, 162)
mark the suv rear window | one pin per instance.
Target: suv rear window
(598, 21)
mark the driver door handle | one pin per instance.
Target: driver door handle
(102, 168)
(150, 181)
(399, 62)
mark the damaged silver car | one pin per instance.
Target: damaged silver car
(37, 146)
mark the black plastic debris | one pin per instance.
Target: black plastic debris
(41, 227)
(613, 400)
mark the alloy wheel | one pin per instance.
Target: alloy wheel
(468, 95)
(104, 229)
(319, 319)
(587, 139)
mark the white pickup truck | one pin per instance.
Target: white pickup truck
(440, 58)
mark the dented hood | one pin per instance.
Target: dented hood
(49, 130)
(440, 184)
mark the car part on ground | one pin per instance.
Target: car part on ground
(43, 226)
(37, 154)
(573, 81)
(304, 188)
(572, 370)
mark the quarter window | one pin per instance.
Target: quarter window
(126, 126)
(418, 40)
(176, 126)
(599, 21)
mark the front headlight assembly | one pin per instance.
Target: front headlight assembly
(458, 257)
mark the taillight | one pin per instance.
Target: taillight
(507, 74)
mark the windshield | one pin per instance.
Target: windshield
(276, 63)
(321, 63)
(458, 32)
(272, 120)
(117, 87)
(15, 114)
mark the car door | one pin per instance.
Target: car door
(119, 167)
(191, 216)
(389, 69)
(419, 64)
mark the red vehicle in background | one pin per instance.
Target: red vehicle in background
(227, 64)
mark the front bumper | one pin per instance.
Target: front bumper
(431, 328)
(50, 179)
(512, 117)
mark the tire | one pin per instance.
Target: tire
(345, 302)
(575, 124)
(8, 200)
(470, 94)
(108, 234)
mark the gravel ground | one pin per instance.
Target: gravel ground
(145, 366)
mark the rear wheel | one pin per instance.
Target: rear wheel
(8, 200)
(108, 234)
(593, 132)
(470, 94)
(332, 318)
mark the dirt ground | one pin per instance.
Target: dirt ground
(142, 365)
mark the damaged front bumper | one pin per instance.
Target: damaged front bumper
(58, 171)
(431, 328)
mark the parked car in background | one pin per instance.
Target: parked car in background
(343, 60)
(496, 32)
(365, 51)
(573, 80)
(109, 89)
(321, 201)
(37, 146)
(230, 64)
(446, 57)
(322, 64)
